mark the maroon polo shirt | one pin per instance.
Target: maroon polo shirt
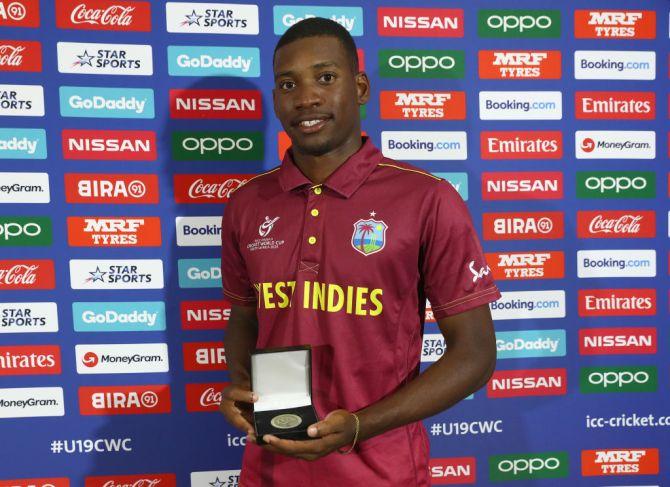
(346, 266)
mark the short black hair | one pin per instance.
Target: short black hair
(320, 27)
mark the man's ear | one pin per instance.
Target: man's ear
(362, 88)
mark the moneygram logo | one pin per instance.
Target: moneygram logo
(122, 358)
(107, 316)
(207, 188)
(523, 225)
(30, 360)
(217, 146)
(200, 356)
(529, 466)
(19, 13)
(114, 231)
(199, 273)
(205, 315)
(242, 62)
(111, 188)
(204, 397)
(19, 231)
(24, 187)
(623, 461)
(615, 105)
(527, 265)
(119, 59)
(522, 185)
(420, 22)
(21, 101)
(522, 145)
(20, 55)
(520, 64)
(116, 274)
(95, 102)
(519, 23)
(616, 224)
(31, 402)
(520, 105)
(616, 184)
(615, 24)
(455, 470)
(211, 18)
(285, 16)
(458, 180)
(616, 263)
(397, 63)
(616, 341)
(142, 480)
(422, 105)
(530, 343)
(530, 382)
(120, 145)
(27, 274)
(619, 65)
(219, 104)
(103, 15)
(617, 379)
(111, 400)
(16, 143)
(617, 302)
(429, 146)
(197, 231)
(615, 144)
(521, 305)
(28, 317)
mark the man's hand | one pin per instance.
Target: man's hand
(236, 407)
(335, 431)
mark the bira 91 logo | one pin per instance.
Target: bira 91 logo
(116, 59)
(523, 225)
(114, 231)
(519, 23)
(20, 56)
(118, 145)
(522, 145)
(520, 64)
(207, 188)
(27, 274)
(111, 400)
(111, 188)
(30, 360)
(422, 105)
(41, 482)
(527, 265)
(617, 302)
(219, 104)
(615, 105)
(204, 397)
(139, 480)
(455, 470)
(617, 341)
(616, 224)
(530, 382)
(103, 15)
(420, 22)
(615, 24)
(205, 315)
(622, 461)
(528, 466)
(200, 356)
(602, 380)
(19, 13)
(522, 185)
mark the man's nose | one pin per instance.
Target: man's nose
(308, 96)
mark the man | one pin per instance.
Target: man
(339, 248)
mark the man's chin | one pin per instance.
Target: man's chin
(314, 147)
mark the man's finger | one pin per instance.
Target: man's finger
(333, 423)
(291, 447)
(236, 394)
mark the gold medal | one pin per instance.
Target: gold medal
(286, 421)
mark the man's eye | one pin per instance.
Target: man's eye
(286, 85)
(327, 77)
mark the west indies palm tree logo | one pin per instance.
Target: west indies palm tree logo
(369, 235)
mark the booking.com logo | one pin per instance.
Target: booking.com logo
(423, 145)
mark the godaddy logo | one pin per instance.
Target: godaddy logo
(528, 466)
(421, 64)
(519, 23)
(618, 379)
(227, 146)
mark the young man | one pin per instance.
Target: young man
(339, 247)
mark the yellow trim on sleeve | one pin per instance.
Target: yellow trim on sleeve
(409, 170)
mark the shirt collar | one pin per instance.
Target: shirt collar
(345, 180)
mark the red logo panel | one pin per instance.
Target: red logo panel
(522, 185)
(452, 471)
(615, 24)
(30, 360)
(95, 231)
(422, 105)
(221, 104)
(204, 356)
(527, 265)
(617, 302)
(42, 482)
(204, 397)
(419, 22)
(614, 341)
(111, 400)
(621, 461)
(207, 188)
(615, 105)
(20, 56)
(120, 145)
(19, 13)
(103, 15)
(141, 480)
(520, 64)
(27, 274)
(616, 224)
(546, 144)
(111, 188)
(523, 225)
(205, 315)
(530, 382)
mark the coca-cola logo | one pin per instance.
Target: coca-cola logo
(19, 274)
(629, 224)
(211, 397)
(116, 15)
(200, 189)
(11, 55)
(137, 483)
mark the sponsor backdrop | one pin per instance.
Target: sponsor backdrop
(125, 125)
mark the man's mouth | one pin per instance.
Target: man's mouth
(312, 125)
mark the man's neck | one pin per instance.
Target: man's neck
(318, 168)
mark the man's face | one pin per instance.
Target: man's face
(317, 94)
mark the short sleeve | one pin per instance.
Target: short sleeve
(236, 285)
(455, 274)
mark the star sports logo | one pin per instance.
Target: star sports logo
(211, 18)
(115, 59)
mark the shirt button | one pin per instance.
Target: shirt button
(317, 190)
(311, 240)
(315, 212)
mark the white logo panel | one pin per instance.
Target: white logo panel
(426, 146)
(622, 65)
(22, 100)
(196, 231)
(31, 402)
(116, 274)
(526, 305)
(615, 144)
(28, 317)
(211, 18)
(131, 358)
(89, 58)
(520, 105)
(24, 187)
(616, 263)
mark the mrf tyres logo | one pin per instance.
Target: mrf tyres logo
(527, 265)
(114, 231)
(617, 379)
(615, 24)
(527, 466)
(617, 302)
(122, 358)
(519, 23)
(616, 184)
(620, 461)
(424, 63)
(520, 64)
(422, 105)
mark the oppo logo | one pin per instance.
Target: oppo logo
(422, 63)
(220, 144)
(13, 230)
(528, 465)
(518, 23)
(618, 184)
(618, 379)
